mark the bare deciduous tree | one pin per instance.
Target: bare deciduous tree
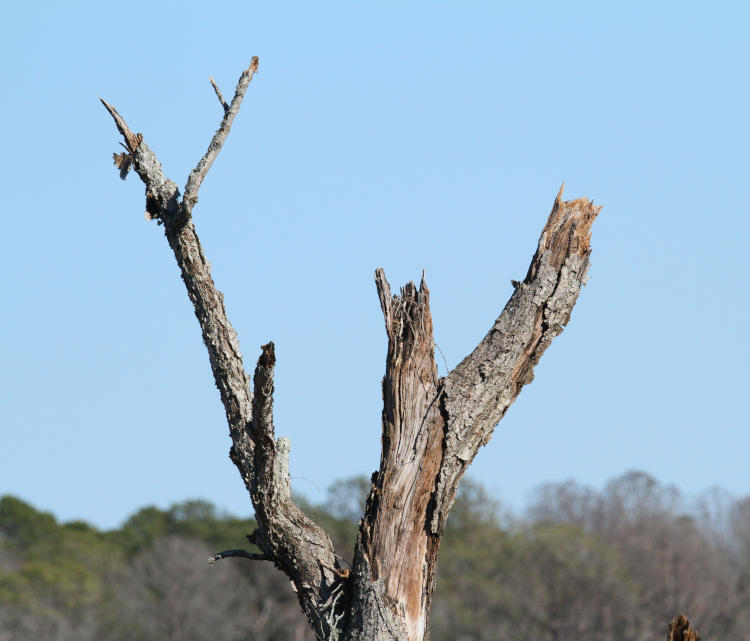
(432, 427)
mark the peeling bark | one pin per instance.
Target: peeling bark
(432, 427)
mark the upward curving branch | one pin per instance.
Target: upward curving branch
(285, 535)
(478, 392)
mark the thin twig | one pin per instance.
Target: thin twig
(243, 554)
(204, 164)
(445, 362)
(304, 478)
(218, 94)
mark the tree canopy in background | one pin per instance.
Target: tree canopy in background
(577, 565)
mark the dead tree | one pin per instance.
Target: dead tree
(432, 427)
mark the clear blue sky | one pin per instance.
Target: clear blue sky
(433, 135)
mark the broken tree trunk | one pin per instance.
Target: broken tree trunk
(432, 427)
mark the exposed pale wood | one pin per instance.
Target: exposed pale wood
(393, 537)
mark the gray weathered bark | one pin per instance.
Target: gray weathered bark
(432, 427)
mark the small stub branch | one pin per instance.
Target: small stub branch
(240, 554)
(219, 95)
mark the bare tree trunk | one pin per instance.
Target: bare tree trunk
(432, 427)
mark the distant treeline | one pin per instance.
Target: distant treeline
(578, 565)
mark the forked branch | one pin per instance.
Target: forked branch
(285, 535)
(217, 142)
